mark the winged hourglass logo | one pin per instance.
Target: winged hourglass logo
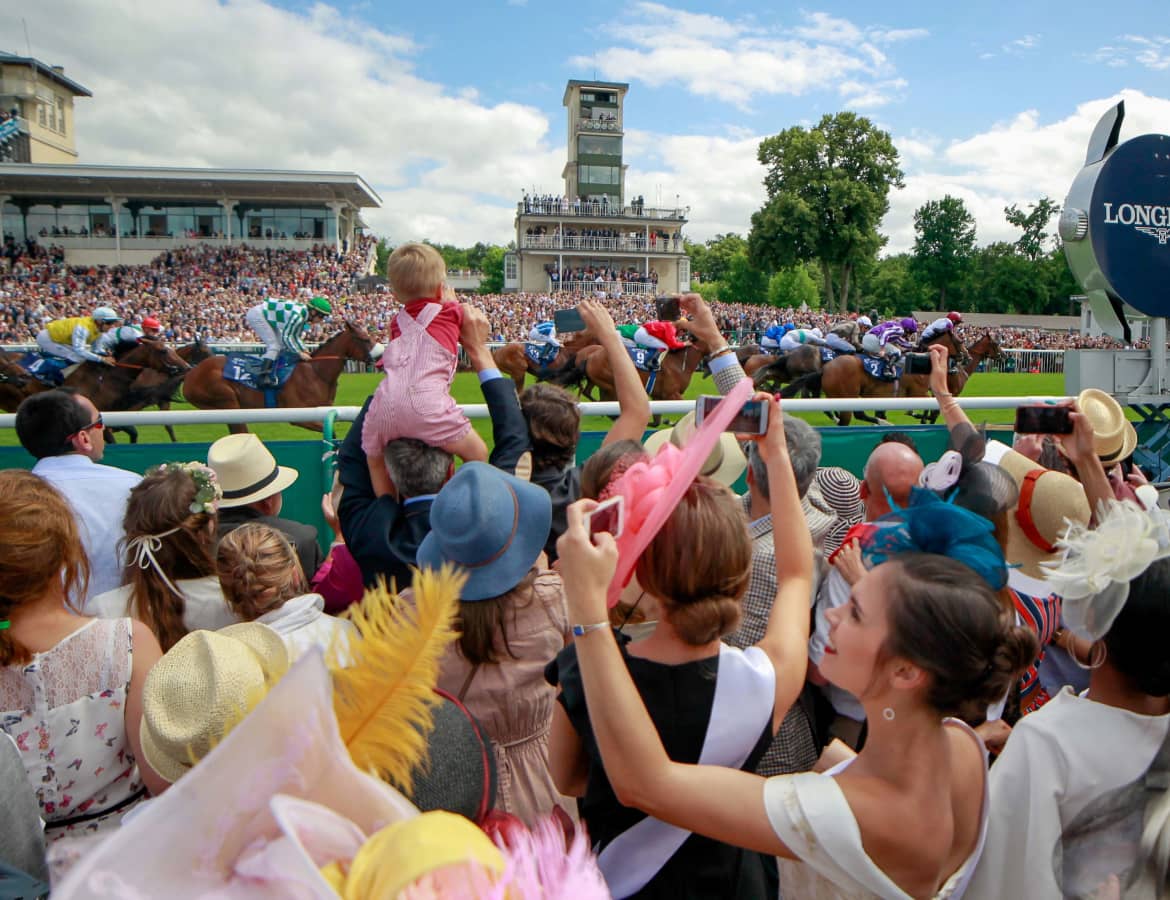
(1162, 233)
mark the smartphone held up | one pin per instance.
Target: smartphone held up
(752, 418)
(608, 516)
(1044, 419)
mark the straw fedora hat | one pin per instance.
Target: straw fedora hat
(200, 688)
(1048, 502)
(725, 463)
(247, 470)
(1114, 438)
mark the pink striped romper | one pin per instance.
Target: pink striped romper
(414, 399)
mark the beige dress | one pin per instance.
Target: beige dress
(513, 701)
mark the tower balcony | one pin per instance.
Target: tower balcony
(560, 207)
(640, 244)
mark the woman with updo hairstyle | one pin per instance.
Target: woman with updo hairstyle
(263, 582)
(923, 639)
(169, 546)
(1079, 798)
(70, 686)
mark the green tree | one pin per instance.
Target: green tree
(382, 251)
(713, 259)
(828, 188)
(492, 267)
(1006, 282)
(944, 243)
(1032, 242)
(794, 288)
(743, 283)
(890, 288)
(709, 290)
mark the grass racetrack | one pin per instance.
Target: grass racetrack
(353, 390)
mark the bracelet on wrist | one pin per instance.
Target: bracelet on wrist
(726, 348)
(581, 630)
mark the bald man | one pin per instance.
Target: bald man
(890, 472)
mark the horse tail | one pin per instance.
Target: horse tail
(810, 384)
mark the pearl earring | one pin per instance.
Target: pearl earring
(888, 714)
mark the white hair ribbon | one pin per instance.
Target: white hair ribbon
(142, 550)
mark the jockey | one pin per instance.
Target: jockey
(798, 336)
(73, 339)
(941, 326)
(844, 337)
(888, 338)
(544, 333)
(773, 335)
(123, 334)
(152, 327)
(627, 332)
(660, 336)
(281, 325)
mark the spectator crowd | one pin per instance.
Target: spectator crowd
(935, 678)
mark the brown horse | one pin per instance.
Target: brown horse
(966, 359)
(312, 383)
(770, 373)
(674, 374)
(513, 361)
(13, 383)
(152, 388)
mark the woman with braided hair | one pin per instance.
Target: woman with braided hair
(169, 547)
(263, 582)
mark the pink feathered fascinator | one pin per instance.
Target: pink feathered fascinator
(653, 488)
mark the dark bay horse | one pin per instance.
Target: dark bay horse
(514, 362)
(312, 383)
(967, 360)
(14, 383)
(674, 374)
(770, 373)
(152, 388)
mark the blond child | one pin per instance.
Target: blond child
(414, 399)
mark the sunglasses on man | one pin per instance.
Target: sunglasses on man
(98, 423)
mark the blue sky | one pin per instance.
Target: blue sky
(450, 109)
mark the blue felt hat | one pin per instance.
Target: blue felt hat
(489, 523)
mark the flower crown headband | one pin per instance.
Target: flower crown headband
(1096, 566)
(208, 493)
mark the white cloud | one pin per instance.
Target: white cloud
(1027, 42)
(1153, 52)
(736, 60)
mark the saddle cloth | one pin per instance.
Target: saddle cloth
(244, 368)
(541, 354)
(881, 369)
(642, 357)
(44, 368)
(828, 354)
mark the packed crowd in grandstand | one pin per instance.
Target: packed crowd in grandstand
(205, 290)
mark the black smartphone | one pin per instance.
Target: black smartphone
(668, 309)
(752, 418)
(568, 320)
(1044, 419)
(917, 363)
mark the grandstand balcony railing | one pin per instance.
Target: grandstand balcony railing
(608, 287)
(599, 125)
(595, 210)
(637, 243)
(173, 242)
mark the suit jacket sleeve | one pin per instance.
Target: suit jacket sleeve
(509, 427)
(366, 519)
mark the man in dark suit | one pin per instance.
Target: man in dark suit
(383, 533)
(252, 485)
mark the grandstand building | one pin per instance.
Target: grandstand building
(595, 236)
(130, 214)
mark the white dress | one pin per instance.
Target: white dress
(204, 606)
(66, 711)
(811, 816)
(1068, 797)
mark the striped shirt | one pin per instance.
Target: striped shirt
(288, 319)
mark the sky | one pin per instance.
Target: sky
(451, 109)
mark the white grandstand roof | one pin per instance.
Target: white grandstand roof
(164, 183)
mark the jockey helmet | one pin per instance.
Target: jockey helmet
(105, 314)
(864, 322)
(955, 317)
(909, 324)
(321, 305)
(150, 324)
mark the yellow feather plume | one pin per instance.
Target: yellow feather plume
(383, 698)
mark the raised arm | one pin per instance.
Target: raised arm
(509, 430)
(631, 393)
(786, 638)
(724, 804)
(1090, 472)
(952, 413)
(726, 371)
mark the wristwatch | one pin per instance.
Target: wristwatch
(580, 630)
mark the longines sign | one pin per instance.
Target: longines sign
(1116, 220)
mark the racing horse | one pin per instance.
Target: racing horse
(967, 359)
(14, 383)
(312, 383)
(770, 372)
(152, 388)
(673, 378)
(513, 360)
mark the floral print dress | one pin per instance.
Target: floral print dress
(66, 711)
